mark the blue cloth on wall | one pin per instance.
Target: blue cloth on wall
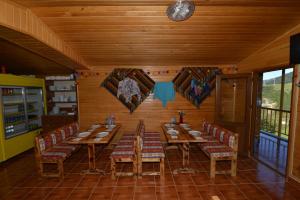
(164, 91)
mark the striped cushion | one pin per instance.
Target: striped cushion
(219, 152)
(67, 131)
(153, 152)
(152, 148)
(48, 141)
(75, 127)
(122, 154)
(208, 145)
(65, 146)
(125, 147)
(56, 153)
(229, 139)
(42, 144)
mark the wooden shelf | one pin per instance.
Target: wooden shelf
(57, 92)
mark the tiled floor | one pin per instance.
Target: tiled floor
(19, 180)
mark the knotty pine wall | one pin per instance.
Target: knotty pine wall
(276, 54)
(96, 103)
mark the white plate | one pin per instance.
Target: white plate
(172, 132)
(174, 137)
(102, 134)
(110, 126)
(187, 128)
(184, 125)
(169, 125)
(94, 126)
(84, 134)
(98, 139)
(195, 133)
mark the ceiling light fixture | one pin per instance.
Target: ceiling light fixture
(181, 10)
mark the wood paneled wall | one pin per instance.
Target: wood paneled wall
(96, 103)
(273, 55)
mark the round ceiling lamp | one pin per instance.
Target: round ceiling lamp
(181, 10)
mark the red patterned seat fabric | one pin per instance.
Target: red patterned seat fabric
(219, 152)
(124, 148)
(152, 147)
(220, 143)
(52, 144)
(56, 153)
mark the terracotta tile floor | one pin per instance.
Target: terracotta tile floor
(19, 180)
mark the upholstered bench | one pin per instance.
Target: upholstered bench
(50, 148)
(222, 145)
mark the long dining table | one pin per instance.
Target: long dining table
(182, 138)
(100, 134)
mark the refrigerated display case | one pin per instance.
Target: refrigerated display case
(23, 108)
(22, 104)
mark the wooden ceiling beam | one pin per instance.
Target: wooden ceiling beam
(20, 26)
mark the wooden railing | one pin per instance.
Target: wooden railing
(275, 121)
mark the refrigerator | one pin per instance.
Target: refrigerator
(22, 104)
(22, 109)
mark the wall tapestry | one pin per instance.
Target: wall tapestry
(130, 86)
(196, 83)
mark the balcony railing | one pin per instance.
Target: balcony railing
(275, 121)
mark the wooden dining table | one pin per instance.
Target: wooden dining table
(92, 140)
(182, 140)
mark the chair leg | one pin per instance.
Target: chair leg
(233, 167)
(113, 169)
(135, 168)
(162, 167)
(140, 168)
(212, 167)
(60, 165)
(41, 168)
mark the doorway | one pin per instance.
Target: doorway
(272, 117)
(233, 106)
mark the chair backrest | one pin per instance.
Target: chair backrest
(223, 135)
(139, 139)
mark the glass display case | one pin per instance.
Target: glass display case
(34, 107)
(22, 109)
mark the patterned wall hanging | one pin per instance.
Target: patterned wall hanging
(130, 86)
(196, 83)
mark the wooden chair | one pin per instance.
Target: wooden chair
(152, 154)
(125, 152)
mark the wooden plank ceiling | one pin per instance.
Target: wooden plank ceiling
(138, 33)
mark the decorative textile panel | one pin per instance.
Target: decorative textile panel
(196, 83)
(144, 82)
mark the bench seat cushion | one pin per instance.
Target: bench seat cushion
(122, 153)
(66, 146)
(207, 145)
(152, 149)
(55, 154)
(219, 152)
(124, 148)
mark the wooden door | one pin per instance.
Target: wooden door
(233, 98)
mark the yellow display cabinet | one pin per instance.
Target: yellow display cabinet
(22, 104)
